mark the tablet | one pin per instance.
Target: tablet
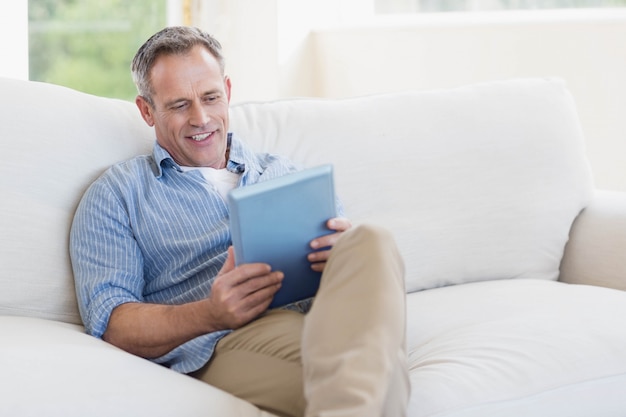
(274, 222)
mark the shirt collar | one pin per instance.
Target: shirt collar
(162, 158)
(241, 158)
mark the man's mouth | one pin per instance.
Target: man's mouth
(201, 136)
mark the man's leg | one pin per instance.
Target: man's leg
(353, 346)
(261, 363)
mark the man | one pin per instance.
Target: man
(155, 273)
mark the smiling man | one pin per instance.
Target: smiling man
(155, 273)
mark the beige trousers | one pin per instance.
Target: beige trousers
(345, 358)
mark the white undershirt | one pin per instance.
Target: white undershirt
(220, 179)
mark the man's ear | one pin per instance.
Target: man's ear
(145, 109)
(227, 86)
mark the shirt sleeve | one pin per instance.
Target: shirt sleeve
(106, 259)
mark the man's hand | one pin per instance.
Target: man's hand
(318, 259)
(240, 294)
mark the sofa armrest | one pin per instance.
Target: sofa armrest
(596, 251)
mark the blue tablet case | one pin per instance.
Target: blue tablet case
(274, 222)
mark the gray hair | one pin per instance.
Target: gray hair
(173, 40)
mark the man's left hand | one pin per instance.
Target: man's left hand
(318, 259)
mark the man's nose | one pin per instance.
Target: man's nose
(198, 117)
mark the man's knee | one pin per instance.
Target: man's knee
(376, 240)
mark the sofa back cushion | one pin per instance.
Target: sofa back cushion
(477, 183)
(55, 142)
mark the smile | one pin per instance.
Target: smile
(201, 136)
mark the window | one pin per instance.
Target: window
(88, 46)
(412, 6)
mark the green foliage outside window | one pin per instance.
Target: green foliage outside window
(88, 45)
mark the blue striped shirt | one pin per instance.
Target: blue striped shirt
(146, 231)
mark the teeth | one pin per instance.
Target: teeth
(200, 137)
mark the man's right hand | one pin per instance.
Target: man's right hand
(240, 294)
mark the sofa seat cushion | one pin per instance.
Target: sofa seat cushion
(54, 369)
(530, 347)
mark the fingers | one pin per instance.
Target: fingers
(339, 224)
(242, 293)
(229, 265)
(318, 258)
(245, 281)
(242, 273)
(257, 300)
(318, 266)
(255, 288)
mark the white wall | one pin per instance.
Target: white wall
(587, 49)
(14, 39)
(268, 43)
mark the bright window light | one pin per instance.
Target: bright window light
(420, 6)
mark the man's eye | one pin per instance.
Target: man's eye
(210, 98)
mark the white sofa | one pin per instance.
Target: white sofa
(512, 311)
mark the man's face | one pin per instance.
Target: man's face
(190, 113)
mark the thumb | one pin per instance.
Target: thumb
(229, 265)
